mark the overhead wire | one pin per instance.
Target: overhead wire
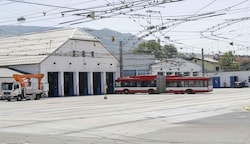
(170, 23)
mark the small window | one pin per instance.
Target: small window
(217, 68)
(169, 73)
(177, 73)
(186, 73)
(83, 54)
(16, 86)
(195, 73)
(74, 53)
(248, 78)
(92, 54)
(160, 73)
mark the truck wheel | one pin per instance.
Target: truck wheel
(38, 96)
(9, 99)
(18, 98)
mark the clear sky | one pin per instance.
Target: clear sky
(215, 25)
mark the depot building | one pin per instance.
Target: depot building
(73, 62)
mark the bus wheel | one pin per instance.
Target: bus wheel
(189, 91)
(126, 91)
(150, 91)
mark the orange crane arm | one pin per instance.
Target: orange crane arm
(21, 78)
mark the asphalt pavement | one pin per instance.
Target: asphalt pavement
(219, 117)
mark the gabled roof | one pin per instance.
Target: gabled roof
(34, 48)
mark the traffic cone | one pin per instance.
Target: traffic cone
(105, 97)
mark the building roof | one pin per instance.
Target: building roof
(35, 47)
(176, 63)
(7, 73)
(208, 59)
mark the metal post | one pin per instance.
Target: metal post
(121, 60)
(202, 57)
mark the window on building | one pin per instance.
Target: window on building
(169, 73)
(83, 54)
(74, 53)
(186, 73)
(217, 68)
(195, 73)
(177, 73)
(160, 73)
(248, 78)
(92, 54)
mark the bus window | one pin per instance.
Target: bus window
(133, 84)
(144, 83)
(153, 83)
(118, 84)
(124, 84)
(171, 84)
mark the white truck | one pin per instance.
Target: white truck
(27, 86)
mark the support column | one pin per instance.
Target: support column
(90, 79)
(77, 83)
(103, 82)
(61, 92)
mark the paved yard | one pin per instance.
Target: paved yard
(217, 117)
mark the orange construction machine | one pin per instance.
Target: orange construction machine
(27, 86)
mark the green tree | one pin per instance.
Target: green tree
(169, 51)
(228, 61)
(244, 65)
(149, 47)
(154, 47)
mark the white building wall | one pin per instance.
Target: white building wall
(176, 65)
(225, 77)
(64, 61)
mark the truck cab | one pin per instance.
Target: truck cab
(11, 90)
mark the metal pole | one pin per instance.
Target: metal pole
(202, 57)
(121, 60)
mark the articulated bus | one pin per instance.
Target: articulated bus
(163, 84)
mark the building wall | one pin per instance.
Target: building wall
(209, 66)
(225, 78)
(95, 59)
(175, 67)
(75, 57)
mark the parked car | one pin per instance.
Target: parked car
(240, 84)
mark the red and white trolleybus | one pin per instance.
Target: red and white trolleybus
(170, 84)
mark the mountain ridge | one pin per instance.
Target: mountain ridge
(105, 35)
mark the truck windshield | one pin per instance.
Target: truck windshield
(7, 86)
